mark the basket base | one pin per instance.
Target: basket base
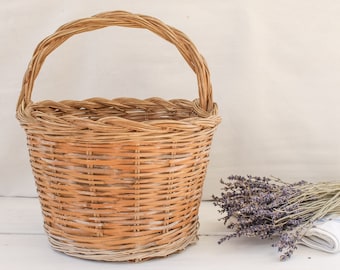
(132, 255)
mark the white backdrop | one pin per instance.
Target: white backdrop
(274, 66)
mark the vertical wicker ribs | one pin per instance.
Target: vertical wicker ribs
(120, 179)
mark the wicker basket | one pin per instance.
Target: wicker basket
(121, 179)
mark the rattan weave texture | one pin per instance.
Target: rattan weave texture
(120, 179)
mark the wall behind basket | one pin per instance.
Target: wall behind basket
(274, 67)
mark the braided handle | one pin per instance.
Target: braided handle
(125, 19)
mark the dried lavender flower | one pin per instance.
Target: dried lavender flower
(267, 207)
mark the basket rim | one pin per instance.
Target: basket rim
(33, 118)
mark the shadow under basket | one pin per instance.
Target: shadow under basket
(121, 179)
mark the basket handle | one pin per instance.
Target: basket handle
(125, 19)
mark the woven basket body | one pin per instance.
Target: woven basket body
(121, 179)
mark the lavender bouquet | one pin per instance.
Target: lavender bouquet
(267, 207)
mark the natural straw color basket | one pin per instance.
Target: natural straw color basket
(121, 179)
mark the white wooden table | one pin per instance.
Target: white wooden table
(24, 245)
